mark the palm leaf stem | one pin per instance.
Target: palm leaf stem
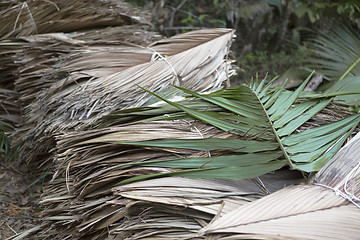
(275, 132)
(355, 63)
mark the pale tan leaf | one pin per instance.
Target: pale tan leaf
(342, 172)
(333, 223)
(204, 195)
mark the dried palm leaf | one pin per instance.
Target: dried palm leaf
(342, 172)
(90, 164)
(138, 34)
(102, 79)
(192, 68)
(48, 59)
(199, 194)
(33, 17)
(320, 211)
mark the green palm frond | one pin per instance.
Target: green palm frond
(336, 53)
(265, 121)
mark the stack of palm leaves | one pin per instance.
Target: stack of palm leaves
(22, 58)
(80, 201)
(139, 179)
(67, 83)
(24, 18)
(130, 163)
(71, 80)
(112, 20)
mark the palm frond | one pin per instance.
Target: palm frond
(270, 120)
(335, 53)
(347, 84)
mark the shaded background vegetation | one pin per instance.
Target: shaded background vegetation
(272, 35)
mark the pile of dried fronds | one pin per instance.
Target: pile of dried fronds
(127, 165)
(26, 57)
(24, 18)
(82, 202)
(92, 194)
(68, 83)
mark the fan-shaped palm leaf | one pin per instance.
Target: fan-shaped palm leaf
(336, 53)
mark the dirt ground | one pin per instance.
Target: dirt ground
(18, 199)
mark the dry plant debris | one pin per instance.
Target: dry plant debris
(82, 200)
(24, 18)
(69, 84)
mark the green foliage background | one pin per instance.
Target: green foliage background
(271, 34)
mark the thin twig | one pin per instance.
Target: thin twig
(184, 28)
(227, 69)
(171, 22)
(11, 228)
(263, 185)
